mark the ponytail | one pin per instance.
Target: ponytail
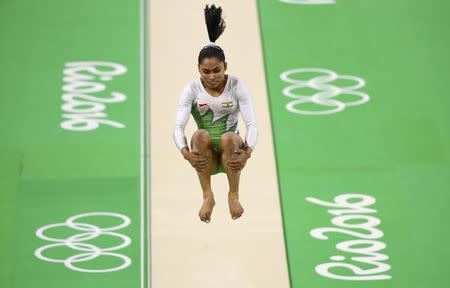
(214, 22)
(215, 25)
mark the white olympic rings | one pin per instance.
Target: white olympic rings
(326, 91)
(89, 251)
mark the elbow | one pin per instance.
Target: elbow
(251, 127)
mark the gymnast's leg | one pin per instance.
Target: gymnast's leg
(202, 146)
(232, 145)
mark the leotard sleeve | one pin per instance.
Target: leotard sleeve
(246, 109)
(184, 110)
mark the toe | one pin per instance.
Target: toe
(202, 216)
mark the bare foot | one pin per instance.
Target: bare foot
(206, 210)
(236, 209)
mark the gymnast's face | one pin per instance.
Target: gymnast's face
(212, 72)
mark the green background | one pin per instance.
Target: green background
(394, 148)
(55, 173)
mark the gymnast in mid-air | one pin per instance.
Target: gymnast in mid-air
(215, 100)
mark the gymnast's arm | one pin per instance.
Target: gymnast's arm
(246, 109)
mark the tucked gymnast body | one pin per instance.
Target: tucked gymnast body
(215, 100)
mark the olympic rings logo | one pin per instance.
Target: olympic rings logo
(326, 90)
(88, 251)
(309, 2)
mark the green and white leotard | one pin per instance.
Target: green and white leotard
(217, 114)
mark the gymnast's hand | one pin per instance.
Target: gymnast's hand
(236, 164)
(197, 161)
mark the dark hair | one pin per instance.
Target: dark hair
(216, 26)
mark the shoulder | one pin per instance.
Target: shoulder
(192, 88)
(193, 85)
(239, 86)
(235, 81)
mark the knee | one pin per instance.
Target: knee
(229, 140)
(201, 136)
